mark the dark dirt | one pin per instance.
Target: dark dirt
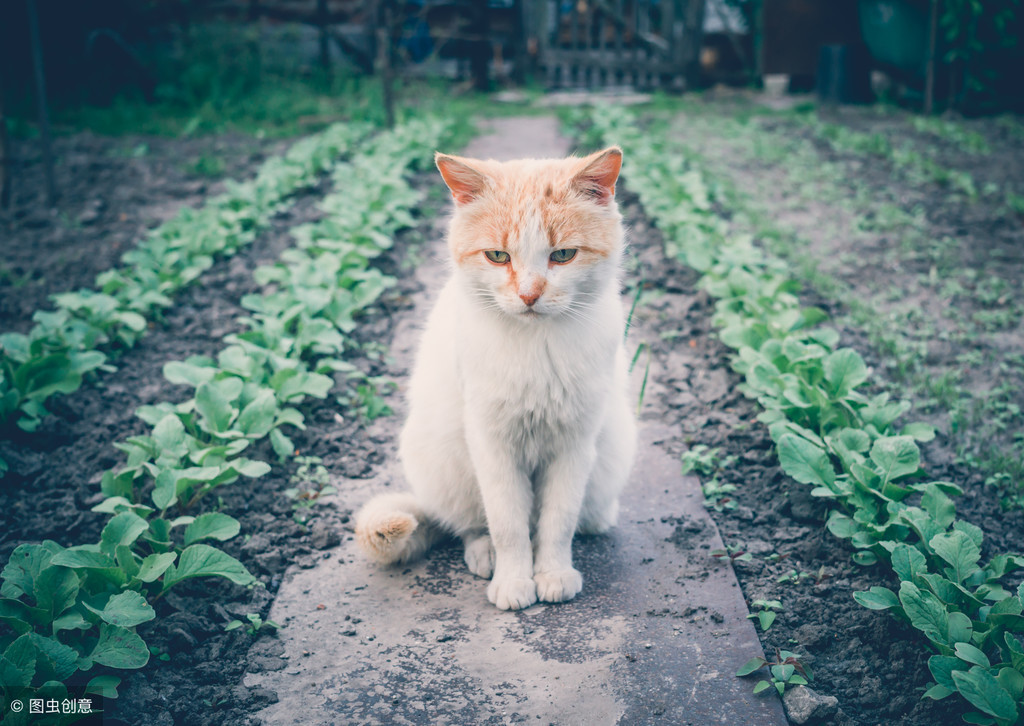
(111, 192)
(195, 673)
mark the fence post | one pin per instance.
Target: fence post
(5, 153)
(693, 30)
(385, 57)
(44, 115)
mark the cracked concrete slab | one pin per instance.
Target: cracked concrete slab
(655, 637)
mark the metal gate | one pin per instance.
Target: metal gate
(643, 44)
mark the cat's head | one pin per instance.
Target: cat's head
(535, 238)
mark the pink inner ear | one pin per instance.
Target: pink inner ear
(599, 176)
(465, 183)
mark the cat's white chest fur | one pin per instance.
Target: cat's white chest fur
(534, 382)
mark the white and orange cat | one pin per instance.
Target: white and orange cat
(520, 432)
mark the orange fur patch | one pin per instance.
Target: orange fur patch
(557, 194)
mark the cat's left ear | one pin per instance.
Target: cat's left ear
(465, 181)
(599, 173)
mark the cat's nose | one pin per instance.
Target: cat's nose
(530, 297)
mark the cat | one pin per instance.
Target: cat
(519, 418)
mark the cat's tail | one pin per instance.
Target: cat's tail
(393, 528)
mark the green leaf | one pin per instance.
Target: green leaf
(939, 506)
(896, 456)
(283, 446)
(919, 431)
(959, 551)
(971, 654)
(119, 648)
(105, 686)
(56, 589)
(24, 566)
(214, 407)
(877, 598)
(126, 609)
(1012, 682)
(169, 435)
(751, 665)
(926, 612)
(212, 525)
(908, 562)
(762, 686)
(61, 660)
(192, 372)
(942, 667)
(250, 468)
(257, 418)
(984, 693)
(961, 629)
(155, 565)
(18, 663)
(805, 462)
(201, 560)
(81, 558)
(122, 529)
(842, 526)
(844, 371)
(938, 692)
(18, 616)
(864, 558)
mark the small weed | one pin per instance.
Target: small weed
(704, 460)
(786, 670)
(734, 553)
(717, 495)
(207, 166)
(767, 611)
(794, 577)
(256, 623)
(310, 482)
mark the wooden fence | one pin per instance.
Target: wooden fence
(643, 44)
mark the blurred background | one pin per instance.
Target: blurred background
(281, 67)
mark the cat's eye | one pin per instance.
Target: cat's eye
(497, 256)
(562, 256)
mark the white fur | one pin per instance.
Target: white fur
(520, 430)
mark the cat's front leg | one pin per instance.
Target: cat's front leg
(508, 499)
(561, 491)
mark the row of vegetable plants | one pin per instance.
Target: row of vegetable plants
(845, 444)
(88, 325)
(66, 610)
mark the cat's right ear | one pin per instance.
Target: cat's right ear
(465, 182)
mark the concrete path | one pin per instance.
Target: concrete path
(654, 638)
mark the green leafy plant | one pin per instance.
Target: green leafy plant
(786, 670)
(255, 624)
(734, 553)
(311, 482)
(767, 611)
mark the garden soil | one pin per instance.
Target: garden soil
(199, 674)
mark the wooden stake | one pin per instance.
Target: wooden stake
(929, 80)
(5, 154)
(44, 116)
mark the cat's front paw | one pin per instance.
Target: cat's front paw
(512, 593)
(480, 557)
(558, 585)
